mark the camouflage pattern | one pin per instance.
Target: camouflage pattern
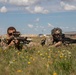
(3, 42)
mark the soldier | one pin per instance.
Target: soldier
(57, 37)
(6, 40)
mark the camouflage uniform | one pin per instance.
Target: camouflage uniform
(3, 43)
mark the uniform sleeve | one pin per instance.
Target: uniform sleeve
(3, 43)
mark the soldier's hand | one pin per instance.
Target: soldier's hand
(12, 43)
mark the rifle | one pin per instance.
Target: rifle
(21, 40)
(67, 40)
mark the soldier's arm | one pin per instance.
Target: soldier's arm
(58, 44)
(4, 42)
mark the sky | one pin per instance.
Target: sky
(37, 16)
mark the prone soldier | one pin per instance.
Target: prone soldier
(11, 39)
(59, 38)
(6, 40)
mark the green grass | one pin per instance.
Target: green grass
(39, 60)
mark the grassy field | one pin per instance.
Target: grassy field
(39, 60)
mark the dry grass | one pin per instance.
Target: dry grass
(39, 60)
